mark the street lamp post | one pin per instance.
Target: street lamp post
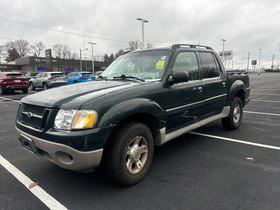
(260, 56)
(248, 61)
(223, 52)
(81, 61)
(142, 21)
(92, 59)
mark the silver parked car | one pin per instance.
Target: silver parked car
(47, 80)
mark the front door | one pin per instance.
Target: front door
(185, 99)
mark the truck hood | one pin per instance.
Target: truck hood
(75, 95)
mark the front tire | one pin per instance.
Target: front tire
(130, 155)
(45, 86)
(233, 121)
(32, 87)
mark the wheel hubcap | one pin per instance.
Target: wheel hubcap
(236, 113)
(137, 153)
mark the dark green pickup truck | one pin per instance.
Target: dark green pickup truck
(144, 98)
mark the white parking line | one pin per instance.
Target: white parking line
(271, 94)
(258, 89)
(237, 141)
(3, 131)
(46, 198)
(262, 113)
(8, 99)
(269, 101)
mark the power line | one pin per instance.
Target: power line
(54, 23)
(66, 32)
(46, 44)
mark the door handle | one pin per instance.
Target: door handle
(224, 84)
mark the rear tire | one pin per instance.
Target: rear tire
(25, 91)
(32, 86)
(233, 121)
(130, 155)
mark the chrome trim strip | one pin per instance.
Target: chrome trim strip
(28, 126)
(167, 137)
(32, 115)
(198, 102)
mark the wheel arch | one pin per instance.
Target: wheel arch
(237, 89)
(136, 110)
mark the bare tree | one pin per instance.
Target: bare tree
(2, 51)
(150, 45)
(133, 45)
(74, 55)
(38, 48)
(57, 50)
(61, 51)
(119, 53)
(66, 53)
(21, 46)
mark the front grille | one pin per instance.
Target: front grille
(32, 115)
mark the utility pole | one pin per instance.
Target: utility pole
(81, 60)
(260, 56)
(272, 65)
(223, 51)
(92, 59)
(248, 61)
(143, 21)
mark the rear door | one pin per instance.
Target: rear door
(214, 84)
(185, 99)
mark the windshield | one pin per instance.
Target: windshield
(14, 75)
(144, 65)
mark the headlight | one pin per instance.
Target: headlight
(75, 119)
(84, 119)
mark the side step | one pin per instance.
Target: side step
(169, 136)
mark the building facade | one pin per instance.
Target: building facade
(35, 64)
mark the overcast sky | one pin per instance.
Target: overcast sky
(246, 25)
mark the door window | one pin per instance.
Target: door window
(209, 66)
(187, 61)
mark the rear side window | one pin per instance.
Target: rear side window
(54, 75)
(187, 61)
(85, 74)
(209, 65)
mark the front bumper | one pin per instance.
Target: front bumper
(56, 84)
(15, 87)
(61, 154)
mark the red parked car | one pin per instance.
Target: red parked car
(10, 81)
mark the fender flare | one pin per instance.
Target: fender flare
(235, 87)
(131, 107)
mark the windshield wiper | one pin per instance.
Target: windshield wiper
(123, 76)
(101, 77)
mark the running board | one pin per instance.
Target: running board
(167, 137)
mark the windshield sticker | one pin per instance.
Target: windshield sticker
(160, 64)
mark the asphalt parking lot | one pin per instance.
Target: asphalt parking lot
(210, 168)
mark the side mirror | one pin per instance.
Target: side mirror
(178, 77)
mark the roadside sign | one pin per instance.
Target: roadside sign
(228, 55)
(254, 62)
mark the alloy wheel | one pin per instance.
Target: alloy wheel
(137, 154)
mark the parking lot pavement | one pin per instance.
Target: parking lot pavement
(219, 170)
